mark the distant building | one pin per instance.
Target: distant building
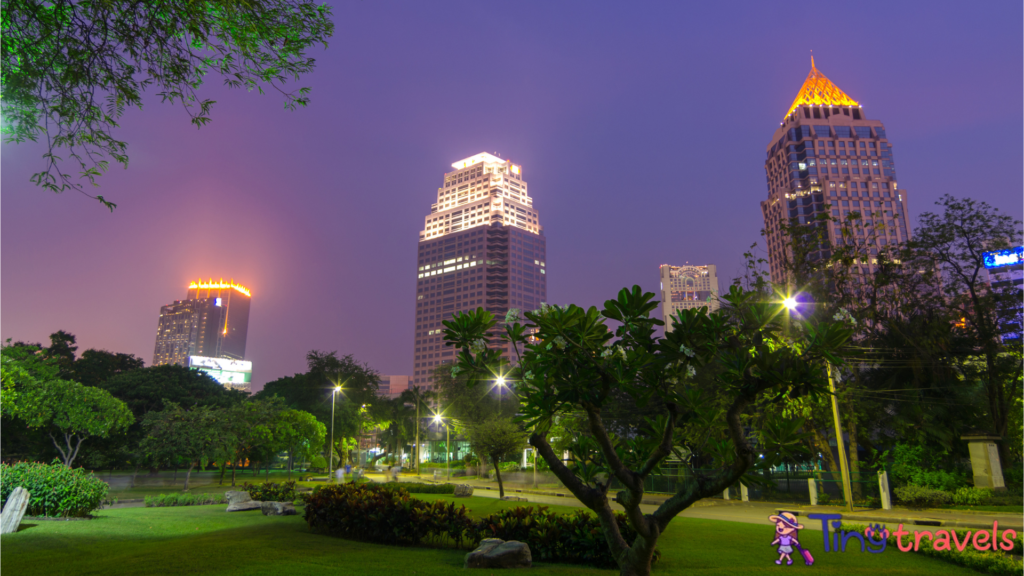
(212, 322)
(393, 386)
(684, 287)
(827, 158)
(482, 246)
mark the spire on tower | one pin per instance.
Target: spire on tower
(819, 90)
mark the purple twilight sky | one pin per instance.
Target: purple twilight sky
(641, 129)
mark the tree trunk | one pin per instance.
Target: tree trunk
(821, 441)
(267, 477)
(497, 474)
(289, 464)
(188, 475)
(637, 561)
(175, 479)
(223, 468)
(234, 464)
(134, 474)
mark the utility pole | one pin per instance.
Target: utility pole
(844, 467)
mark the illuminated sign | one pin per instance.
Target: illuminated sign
(1001, 258)
(217, 302)
(223, 370)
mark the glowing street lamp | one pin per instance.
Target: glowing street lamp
(447, 444)
(500, 382)
(790, 303)
(330, 456)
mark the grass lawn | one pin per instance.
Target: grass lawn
(207, 540)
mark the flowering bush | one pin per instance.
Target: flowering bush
(54, 489)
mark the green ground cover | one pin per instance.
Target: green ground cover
(207, 540)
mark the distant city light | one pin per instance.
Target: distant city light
(790, 303)
(1001, 258)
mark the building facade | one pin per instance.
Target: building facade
(828, 158)
(685, 287)
(482, 246)
(212, 321)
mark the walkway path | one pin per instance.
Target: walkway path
(754, 512)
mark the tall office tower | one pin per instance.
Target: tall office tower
(826, 157)
(212, 321)
(684, 287)
(481, 246)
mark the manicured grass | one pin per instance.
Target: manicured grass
(207, 540)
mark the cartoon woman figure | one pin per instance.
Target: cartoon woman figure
(786, 533)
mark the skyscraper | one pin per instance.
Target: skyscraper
(211, 321)
(684, 287)
(481, 246)
(826, 157)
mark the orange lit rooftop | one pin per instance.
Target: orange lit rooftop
(218, 285)
(820, 91)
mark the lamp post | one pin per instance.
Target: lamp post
(844, 468)
(330, 455)
(500, 382)
(447, 445)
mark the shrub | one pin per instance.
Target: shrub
(54, 489)
(921, 497)
(386, 515)
(509, 467)
(970, 496)
(421, 488)
(985, 562)
(575, 537)
(271, 491)
(183, 499)
(909, 468)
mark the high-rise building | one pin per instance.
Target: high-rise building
(482, 245)
(212, 321)
(684, 287)
(827, 157)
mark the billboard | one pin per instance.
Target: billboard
(227, 371)
(1001, 258)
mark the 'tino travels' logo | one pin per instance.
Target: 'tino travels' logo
(875, 537)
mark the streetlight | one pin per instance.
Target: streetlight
(330, 457)
(447, 445)
(844, 468)
(500, 382)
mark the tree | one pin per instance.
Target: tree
(312, 391)
(72, 67)
(470, 404)
(956, 240)
(94, 367)
(417, 397)
(194, 435)
(72, 411)
(252, 425)
(498, 438)
(62, 350)
(568, 362)
(301, 434)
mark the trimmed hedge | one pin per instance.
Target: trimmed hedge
(971, 496)
(388, 515)
(377, 513)
(271, 491)
(995, 563)
(576, 537)
(183, 499)
(921, 497)
(54, 489)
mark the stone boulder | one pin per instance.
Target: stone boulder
(239, 501)
(278, 509)
(14, 511)
(496, 553)
(463, 490)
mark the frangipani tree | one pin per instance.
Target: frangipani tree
(570, 359)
